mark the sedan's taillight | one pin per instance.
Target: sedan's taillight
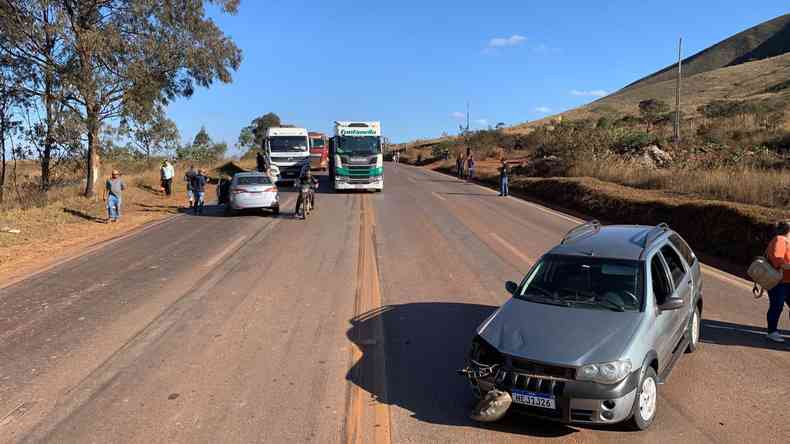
(270, 189)
(238, 191)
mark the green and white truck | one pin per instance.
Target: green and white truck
(356, 160)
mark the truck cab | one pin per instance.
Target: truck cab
(356, 160)
(289, 150)
(319, 151)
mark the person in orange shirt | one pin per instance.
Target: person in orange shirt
(778, 253)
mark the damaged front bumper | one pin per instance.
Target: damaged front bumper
(575, 401)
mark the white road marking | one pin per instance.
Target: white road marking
(735, 280)
(218, 257)
(439, 196)
(707, 269)
(512, 249)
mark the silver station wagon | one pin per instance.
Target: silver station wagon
(594, 327)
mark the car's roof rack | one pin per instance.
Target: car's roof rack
(583, 230)
(652, 235)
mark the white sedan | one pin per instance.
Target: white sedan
(253, 190)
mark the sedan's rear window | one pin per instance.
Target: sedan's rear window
(253, 180)
(604, 284)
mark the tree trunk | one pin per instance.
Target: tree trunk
(2, 162)
(49, 140)
(93, 153)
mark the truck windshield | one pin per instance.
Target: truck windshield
(603, 284)
(317, 143)
(358, 145)
(288, 143)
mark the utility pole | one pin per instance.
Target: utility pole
(677, 94)
(467, 116)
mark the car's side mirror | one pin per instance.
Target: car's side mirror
(672, 304)
(511, 287)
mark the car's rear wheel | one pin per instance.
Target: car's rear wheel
(693, 331)
(646, 402)
(276, 211)
(229, 210)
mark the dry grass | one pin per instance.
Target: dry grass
(743, 185)
(69, 221)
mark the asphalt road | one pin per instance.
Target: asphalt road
(347, 327)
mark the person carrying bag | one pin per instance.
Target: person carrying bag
(772, 273)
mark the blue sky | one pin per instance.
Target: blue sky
(414, 64)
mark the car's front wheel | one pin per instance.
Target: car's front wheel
(646, 402)
(693, 331)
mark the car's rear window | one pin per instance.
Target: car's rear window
(606, 284)
(253, 180)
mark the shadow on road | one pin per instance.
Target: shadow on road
(425, 344)
(726, 333)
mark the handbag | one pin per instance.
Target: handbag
(764, 275)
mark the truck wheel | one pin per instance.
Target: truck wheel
(644, 410)
(693, 331)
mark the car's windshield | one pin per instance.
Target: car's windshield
(358, 145)
(288, 143)
(253, 180)
(604, 284)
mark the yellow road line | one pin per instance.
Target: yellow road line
(367, 300)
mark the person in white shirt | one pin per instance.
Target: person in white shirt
(168, 172)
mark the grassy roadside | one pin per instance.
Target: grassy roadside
(71, 222)
(722, 230)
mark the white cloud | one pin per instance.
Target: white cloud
(482, 122)
(502, 42)
(591, 93)
(458, 115)
(543, 109)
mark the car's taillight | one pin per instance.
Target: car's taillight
(270, 189)
(238, 190)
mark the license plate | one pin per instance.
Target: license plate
(532, 399)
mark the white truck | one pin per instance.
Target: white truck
(356, 160)
(289, 151)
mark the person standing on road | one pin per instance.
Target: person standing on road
(188, 179)
(396, 158)
(113, 189)
(778, 253)
(459, 166)
(504, 172)
(199, 182)
(260, 162)
(470, 168)
(168, 172)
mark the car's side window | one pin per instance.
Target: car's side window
(661, 286)
(676, 268)
(683, 248)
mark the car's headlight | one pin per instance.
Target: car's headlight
(338, 160)
(605, 373)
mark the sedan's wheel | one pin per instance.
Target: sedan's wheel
(693, 331)
(276, 211)
(644, 409)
